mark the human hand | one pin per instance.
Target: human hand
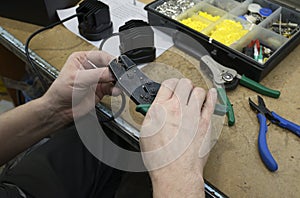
(70, 94)
(172, 136)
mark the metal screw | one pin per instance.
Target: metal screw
(228, 77)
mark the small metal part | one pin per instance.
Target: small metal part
(228, 77)
(286, 29)
(267, 51)
(92, 64)
(173, 8)
(289, 24)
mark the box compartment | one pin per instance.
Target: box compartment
(232, 55)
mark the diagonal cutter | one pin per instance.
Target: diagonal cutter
(263, 114)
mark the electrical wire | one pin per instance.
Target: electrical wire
(33, 66)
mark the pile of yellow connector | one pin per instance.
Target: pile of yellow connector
(209, 16)
(195, 23)
(228, 32)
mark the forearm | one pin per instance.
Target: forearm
(26, 125)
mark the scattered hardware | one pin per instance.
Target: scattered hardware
(256, 14)
(285, 29)
(258, 51)
(173, 8)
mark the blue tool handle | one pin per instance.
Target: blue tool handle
(264, 151)
(287, 124)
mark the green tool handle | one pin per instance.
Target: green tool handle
(225, 100)
(259, 88)
(142, 108)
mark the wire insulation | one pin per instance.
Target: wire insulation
(33, 66)
(42, 80)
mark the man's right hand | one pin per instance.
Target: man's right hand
(172, 136)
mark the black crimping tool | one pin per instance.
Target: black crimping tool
(94, 21)
(134, 83)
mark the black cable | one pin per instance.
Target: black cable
(35, 70)
(43, 82)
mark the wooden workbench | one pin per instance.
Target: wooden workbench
(234, 165)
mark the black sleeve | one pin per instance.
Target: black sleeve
(9, 192)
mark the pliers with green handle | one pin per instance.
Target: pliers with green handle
(223, 78)
(229, 78)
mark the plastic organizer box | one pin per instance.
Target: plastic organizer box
(251, 36)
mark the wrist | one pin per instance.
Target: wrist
(186, 185)
(51, 113)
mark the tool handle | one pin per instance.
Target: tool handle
(230, 113)
(220, 109)
(225, 100)
(259, 88)
(142, 108)
(287, 124)
(264, 151)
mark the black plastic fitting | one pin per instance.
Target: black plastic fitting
(137, 41)
(94, 20)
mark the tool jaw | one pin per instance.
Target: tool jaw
(132, 81)
(261, 108)
(220, 74)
